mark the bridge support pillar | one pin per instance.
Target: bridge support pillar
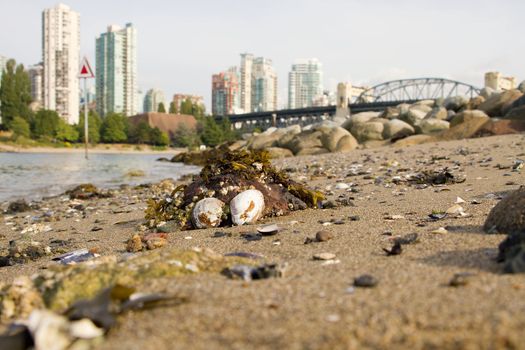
(344, 95)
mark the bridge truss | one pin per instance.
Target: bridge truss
(416, 89)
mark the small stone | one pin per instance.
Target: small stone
(324, 256)
(156, 242)
(394, 217)
(323, 236)
(455, 209)
(333, 318)
(268, 230)
(440, 231)
(460, 279)
(365, 281)
(459, 200)
(395, 250)
(134, 244)
(341, 186)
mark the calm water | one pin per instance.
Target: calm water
(33, 176)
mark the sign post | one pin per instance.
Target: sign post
(86, 73)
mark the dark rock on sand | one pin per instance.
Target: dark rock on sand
(512, 253)
(508, 215)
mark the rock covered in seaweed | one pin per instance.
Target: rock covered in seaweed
(226, 175)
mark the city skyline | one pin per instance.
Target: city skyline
(361, 43)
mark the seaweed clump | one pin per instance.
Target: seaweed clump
(226, 174)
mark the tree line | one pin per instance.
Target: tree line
(46, 125)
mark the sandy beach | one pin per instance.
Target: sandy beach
(315, 305)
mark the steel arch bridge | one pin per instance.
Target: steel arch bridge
(416, 89)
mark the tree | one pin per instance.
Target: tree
(114, 128)
(140, 133)
(159, 138)
(66, 132)
(94, 124)
(186, 137)
(186, 107)
(46, 123)
(15, 93)
(173, 108)
(211, 133)
(161, 108)
(20, 127)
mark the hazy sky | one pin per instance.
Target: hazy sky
(182, 43)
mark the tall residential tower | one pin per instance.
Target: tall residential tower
(116, 76)
(61, 59)
(264, 85)
(305, 83)
(225, 96)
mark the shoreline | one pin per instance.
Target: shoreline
(99, 149)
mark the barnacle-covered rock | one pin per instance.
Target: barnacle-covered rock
(226, 175)
(247, 207)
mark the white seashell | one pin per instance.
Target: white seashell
(341, 186)
(207, 213)
(247, 207)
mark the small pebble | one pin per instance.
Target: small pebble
(440, 231)
(323, 236)
(365, 281)
(324, 256)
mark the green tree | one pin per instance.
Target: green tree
(186, 107)
(15, 93)
(140, 133)
(159, 138)
(186, 137)
(94, 124)
(211, 133)
(46, 123)
(66, 132)
(173, 108)
(114, 128)
(20, 127)
(161, 108)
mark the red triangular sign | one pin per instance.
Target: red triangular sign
(85, 70)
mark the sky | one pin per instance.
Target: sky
(182, 43)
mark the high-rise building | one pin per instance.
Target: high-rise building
(225, 92)
(153, 99)
(36, 74)
(264, 85)
(179, 98)
(305, 83)
(116, 71)
(245, 82)
(61, 59)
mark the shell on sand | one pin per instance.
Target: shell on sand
(207, 213)
(247, 207)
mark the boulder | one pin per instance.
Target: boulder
(430, 126)
(309, 151)
(397, 129)
(346, 143)
(516, 113)
(437, 113)
(414, 115)
(414, 140)
(278, 152)
(521, 86)
(497, 104)
(464, 125)
(508, 215)
(379, 120)
(264, 140)
(287, 135)
(455, 103)
(237, 145)
(359, 118)
(519, 102)
(403, 108)
(475, 102)
(486, 92)
(330, 137)
(428, 103)
(306, 139)
(502, 127)
(450, 115)
(367, 131)
(390, 113)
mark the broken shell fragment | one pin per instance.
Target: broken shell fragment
(247, 207)
(207, 213)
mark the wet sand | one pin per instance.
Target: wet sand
(314, 306)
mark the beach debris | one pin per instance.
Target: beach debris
(35, 229)
(456, 209)
(518, 165)
(207, 213)
(248, 273)
(245, 181)
(437, 215)
(23, 250)
(247, 207)
(394, 217)
(435, 177)
(268, 230)
(76, 256)
(18, 206)
(139, 242)
(365, 281)
(323, 236)
(512, 252)
(251, 237)
(86, 191)
(395, 250)
(440, 231)
(460, 279)
(508, 215)
(341, 186)
(459, 200)
(407, 239)
(324, 256)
